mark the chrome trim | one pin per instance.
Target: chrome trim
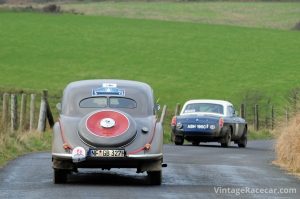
(146, 156)
(62, 155)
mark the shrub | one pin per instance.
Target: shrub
(53, 8)
(288, 146)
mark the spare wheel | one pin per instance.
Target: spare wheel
(107, 128)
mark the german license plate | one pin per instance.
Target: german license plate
(107, 153)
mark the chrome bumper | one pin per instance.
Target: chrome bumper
(67, 156)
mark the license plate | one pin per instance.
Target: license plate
(198, 126)
(107, 153)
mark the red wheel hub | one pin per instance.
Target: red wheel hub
(107, 123)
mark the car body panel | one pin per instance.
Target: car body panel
(67, 132)
(199, 121)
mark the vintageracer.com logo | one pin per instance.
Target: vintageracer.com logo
(248, 190)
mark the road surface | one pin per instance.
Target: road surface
(205, 171)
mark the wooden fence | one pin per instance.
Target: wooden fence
(14, 119)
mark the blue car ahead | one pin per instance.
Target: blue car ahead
(209, 121)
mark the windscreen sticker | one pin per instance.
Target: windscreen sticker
(103, 91)
(190, 111)
(109, 85)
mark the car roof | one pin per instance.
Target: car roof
(210, 101)
(97, 82)
(76, 91)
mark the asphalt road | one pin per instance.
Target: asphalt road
(205, 171)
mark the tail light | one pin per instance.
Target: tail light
(221, 122)
(173, 122)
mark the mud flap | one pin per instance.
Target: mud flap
(62, 164)
(150, 166)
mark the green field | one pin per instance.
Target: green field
(180, 60)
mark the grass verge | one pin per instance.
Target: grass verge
(260, 135)
(13, 145)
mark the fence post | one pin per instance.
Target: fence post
(176, 112)
(14, 110)
(5, 110)
(177, 109)
(242, 111)
(49, 114)
(256, 118)
(272, 117)
(163, 113)
(287, 116)
(23, 112)
(43, 112)
(32, 112)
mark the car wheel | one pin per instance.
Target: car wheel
(60, 176)
(195, 143)
(179, 140)
(155, 177)
(227, 140)
(242, 143)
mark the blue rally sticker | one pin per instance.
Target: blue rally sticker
(108, 91)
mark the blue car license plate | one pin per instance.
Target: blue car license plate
(107, 152)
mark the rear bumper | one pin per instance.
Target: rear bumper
(67, 156)
(143, 162)
(197, 133)
(201, 136)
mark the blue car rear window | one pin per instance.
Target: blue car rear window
(204, 107)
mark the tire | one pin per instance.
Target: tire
(179, 140)
(155, 177)
(244, 139)
(60, 176)
(227, 140)
(243, 142)
(195, 143)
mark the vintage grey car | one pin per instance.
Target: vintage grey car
(209, 121)
(107, 124)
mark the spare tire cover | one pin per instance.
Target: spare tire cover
(107, 128)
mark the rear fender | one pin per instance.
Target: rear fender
(157, 141)
(57, 141)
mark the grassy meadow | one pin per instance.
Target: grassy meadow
(180, 60)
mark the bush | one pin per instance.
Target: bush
(288, 146)
(53, 8)
(297, 26)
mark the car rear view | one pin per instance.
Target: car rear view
(209, 121)
(107, 124)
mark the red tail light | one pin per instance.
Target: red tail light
(221, 122)
(173, 122)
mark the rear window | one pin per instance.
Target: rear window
(104, 102)
(204, 107)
